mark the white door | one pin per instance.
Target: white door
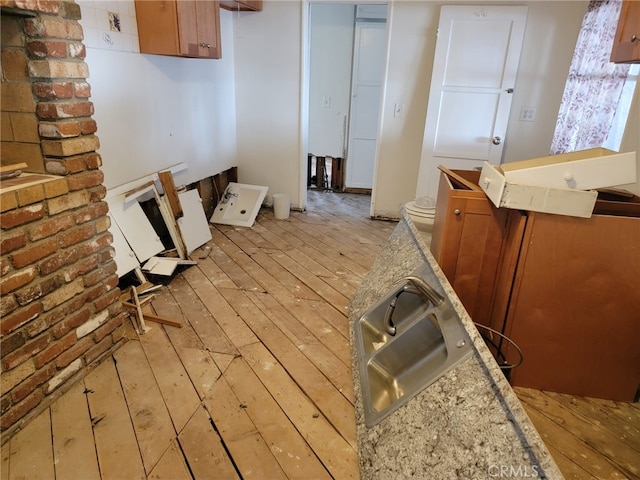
(368, 69)
(474, 73)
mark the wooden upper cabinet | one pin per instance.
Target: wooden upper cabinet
(179, 28)
(242, 5)
(626, 44)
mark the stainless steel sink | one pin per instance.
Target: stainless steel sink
(429, 340)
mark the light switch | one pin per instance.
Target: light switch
(398, 110)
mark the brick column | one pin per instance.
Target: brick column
(59, 307)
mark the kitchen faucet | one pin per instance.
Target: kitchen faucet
(417, 286)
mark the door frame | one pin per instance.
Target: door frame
(304, 96)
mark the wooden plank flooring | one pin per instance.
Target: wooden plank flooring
(257, 384)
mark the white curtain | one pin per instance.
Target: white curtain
(594, 84)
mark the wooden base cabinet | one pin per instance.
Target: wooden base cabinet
(566, 290)
(575, 306)
(183, 28)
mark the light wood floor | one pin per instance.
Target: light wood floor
(257, 384)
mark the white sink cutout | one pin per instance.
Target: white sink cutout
(242, 207)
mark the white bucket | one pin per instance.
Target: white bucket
(281, 205)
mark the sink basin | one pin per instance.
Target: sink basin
(242, 207)
(430, 340)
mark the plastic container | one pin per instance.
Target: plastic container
(281, 206)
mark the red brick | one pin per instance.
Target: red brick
(65, 129)
(43, 49)
(71, 322)
(85, 179)
(22, 216)
(97, 193)
(16, 280)
(20, 410)
(50, 227)
(46, 320)
(53, 27)
(53, 91)
(55, 349)
(35, 327)
(64, 166)
(21, 316)
(112, 282)
(93, 161)
(44, 6)
(68, 202)
(59, 260)
(5, 265)
(34, 252)
(82, 89)
(25, 352)
(76, 235)
(105, 300)
(77, 50)
(74, 352)
(81, 268)
(5, 403)
(38, 289)
(95, 352)
(88, 127)
(105, 329)
(65, 292)
(8, 304)
(11, 343)
(12, 241)
(91, 293)
(97, 244)
(64, 110)
(32, 383)
(91, 212)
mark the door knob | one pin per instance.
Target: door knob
(496, 140)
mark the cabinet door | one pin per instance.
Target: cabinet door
(626, 44)
(470, 252)
(574, 309)
(157, 27)
(208, 21)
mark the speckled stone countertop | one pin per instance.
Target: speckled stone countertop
(469, 424)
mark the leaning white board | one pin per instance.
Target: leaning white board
(193, 225)
(125, 258)
(135, 227)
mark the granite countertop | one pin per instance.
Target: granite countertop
(469, 424)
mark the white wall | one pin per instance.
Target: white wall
(552, 29)
(331, 47)
(269, 87)
(156, 111)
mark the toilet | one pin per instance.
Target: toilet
(422, 211)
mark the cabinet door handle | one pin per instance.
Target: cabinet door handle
(456, 211)
(634, 37)
(205, 45)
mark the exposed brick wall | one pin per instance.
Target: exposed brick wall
(59, 305)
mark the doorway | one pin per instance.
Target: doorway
(472, 84)
(347, 54)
